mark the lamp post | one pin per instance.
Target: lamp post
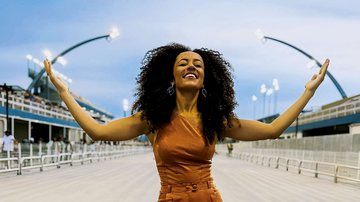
(276, 89)
(112, 35)
(254, 99)
(126, 107)
(269, 92)
(7, 88)
(263, 91)
(261, 36)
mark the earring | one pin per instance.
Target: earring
(171, 90)
(204, 92)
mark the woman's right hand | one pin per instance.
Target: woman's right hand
(116, 130)
(60, 85)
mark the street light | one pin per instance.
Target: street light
(62, 61)
(126, 107)
(269, 92)
(261, 36)
(276, 87)
(263, 91)
(7, 89)
(29, 57)
(114, 33)
(48, 54)
(37, 63)
(254, 99)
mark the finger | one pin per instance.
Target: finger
(59, 78)
(47, 66)
(314, 77)
(324, 67)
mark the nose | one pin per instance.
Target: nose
(191, 68)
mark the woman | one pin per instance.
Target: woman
(185, 102)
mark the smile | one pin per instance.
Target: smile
(190, 76)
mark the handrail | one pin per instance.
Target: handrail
(67, 158)
(9, 168)
(36, 108)
(24, 104)
(299, 165)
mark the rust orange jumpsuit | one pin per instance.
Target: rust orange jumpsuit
(183, 160)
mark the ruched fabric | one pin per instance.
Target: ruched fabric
(183, 160)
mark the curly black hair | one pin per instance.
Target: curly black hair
(157, 105)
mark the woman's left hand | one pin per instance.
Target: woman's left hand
(316, 80)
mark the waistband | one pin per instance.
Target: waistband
(190, 187)
(183, 174)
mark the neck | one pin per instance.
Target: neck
(186, 101)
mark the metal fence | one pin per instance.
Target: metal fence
(336, 143)
(39, 156)
(339, 165)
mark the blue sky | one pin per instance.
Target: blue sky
(104, 72)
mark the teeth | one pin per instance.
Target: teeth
(190, 76)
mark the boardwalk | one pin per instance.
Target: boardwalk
(135, 178)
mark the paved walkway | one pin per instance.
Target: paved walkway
(135, 178)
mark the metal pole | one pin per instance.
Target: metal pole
(19, 159)
(7, 107)
(296, 126)
(275, 101)
(269, 109)
(254, 113)
(264, 97)
(7, 89)
(337, 85)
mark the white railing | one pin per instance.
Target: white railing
(337, 171)
(345, 109)
(340, 157)
(40, 108)
(56, 157)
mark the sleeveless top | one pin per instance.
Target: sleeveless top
(182, 154)
(183, 157)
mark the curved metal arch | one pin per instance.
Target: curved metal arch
(39, 75)
(337, 85)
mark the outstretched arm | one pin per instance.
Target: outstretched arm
(116, 130)
(249, 130)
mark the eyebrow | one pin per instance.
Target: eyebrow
(195, 60)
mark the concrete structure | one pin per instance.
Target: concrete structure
(339, 117)
(34, 117)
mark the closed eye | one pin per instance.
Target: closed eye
(198, 64)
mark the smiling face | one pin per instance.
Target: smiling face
(189, 71)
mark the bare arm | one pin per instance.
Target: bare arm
(249, 130)
(116, 130)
